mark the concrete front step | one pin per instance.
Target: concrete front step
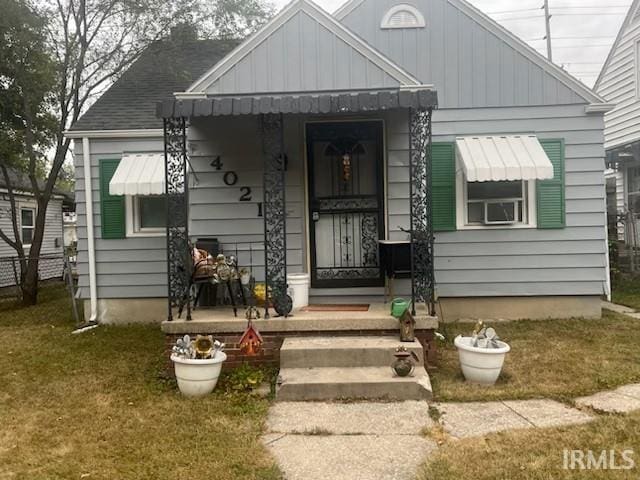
(321, 352)
(331, 383)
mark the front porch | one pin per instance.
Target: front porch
(329, 230)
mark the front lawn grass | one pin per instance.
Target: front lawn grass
(539, 454)
(97, 406)
(560, 359)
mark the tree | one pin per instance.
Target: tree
(90, 43)
(27, 79)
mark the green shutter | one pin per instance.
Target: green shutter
(443, 186)
(550, 193)
(111, 206)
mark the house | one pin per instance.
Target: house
(618, 84)
(51, 253)
(302, 147)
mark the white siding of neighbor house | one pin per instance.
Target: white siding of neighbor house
(302, 55)
(51, 243)
(469, 65)
(493, 262)
(619, 84)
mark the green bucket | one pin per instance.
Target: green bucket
(399, 306)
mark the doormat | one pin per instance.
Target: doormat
(334, 307)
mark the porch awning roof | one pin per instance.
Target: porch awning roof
(139, 174)
(503, 157)
(419, 96)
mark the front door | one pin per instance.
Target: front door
(346, 206)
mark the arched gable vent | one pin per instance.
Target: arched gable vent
(403, 16)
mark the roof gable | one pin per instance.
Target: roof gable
(633, 16)
(302, 49)
(470, 58)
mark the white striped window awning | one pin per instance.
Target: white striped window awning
(503, 157)
(139, 174)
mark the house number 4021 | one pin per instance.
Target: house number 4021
(230, 178)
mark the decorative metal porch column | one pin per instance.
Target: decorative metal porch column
(179, 262)
(274, 212)
(421, 214)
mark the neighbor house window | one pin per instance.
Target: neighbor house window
(27, 224)
(146, 215)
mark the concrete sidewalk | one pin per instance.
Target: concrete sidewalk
(386, 441)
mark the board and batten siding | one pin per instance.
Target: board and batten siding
(506, 262)
(469, 65)
(125, 268)
(302, 55)
(619, 84)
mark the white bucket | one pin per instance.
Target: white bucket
(299, 289)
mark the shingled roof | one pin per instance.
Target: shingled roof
(165, 67)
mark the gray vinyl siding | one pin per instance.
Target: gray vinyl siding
(492, 262)
(216, 209)
(127, 268)
(469, 65)
(618, 85)
(504, 262)
(302, 55)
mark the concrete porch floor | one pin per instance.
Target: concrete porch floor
(221, 320)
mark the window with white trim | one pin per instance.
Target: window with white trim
(27, 225)
(146, 215)
(403, 16)
(498, 204)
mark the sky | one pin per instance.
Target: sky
(582, 31)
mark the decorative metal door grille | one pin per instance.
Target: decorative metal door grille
(179, 262)
(346, 204)
(275, 228)
(422, 276)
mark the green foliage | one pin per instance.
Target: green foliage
(27, 79)
(246, 378)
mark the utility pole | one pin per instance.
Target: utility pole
(547, 21)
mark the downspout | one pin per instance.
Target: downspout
(91, 249)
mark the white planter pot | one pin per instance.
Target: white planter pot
(480, 365)
(197, 378)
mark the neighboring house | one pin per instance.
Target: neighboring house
(517, 200)
(52, 244)
(619, 83)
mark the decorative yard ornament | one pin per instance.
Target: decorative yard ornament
(484, 337)
(251, 340)
(252, 313)
(407, 327)
(403, 365)
(203, 346)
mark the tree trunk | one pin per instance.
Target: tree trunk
(31, 275)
